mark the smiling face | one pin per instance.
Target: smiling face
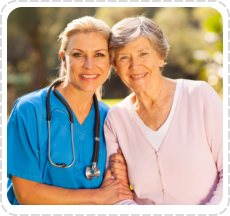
(86, 61)
(138, 64)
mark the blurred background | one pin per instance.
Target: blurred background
(194, 34)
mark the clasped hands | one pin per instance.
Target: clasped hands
(117, 189)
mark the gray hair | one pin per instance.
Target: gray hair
(85, 25)
(129, 29)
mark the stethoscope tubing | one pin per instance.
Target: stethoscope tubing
(48, 116)
(97, 128)
(73, 150)
(97, 132)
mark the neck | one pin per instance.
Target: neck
(80, 101)
(152, 95)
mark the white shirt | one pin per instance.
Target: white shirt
(157, 137)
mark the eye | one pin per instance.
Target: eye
(77, 54)
(143, 53)
(99, 55)
(124, 57)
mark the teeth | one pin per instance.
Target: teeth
(88, 76)
(138, 76)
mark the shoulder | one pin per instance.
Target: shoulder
(103, 107)
(31, 101)
(200, 93)
(193, 85)
(201, 88)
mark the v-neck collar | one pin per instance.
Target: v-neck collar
(87, 120)
(133, 114)
(172, 111)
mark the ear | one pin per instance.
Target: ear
(63, 58)
(161, 63)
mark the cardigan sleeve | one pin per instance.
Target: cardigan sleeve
(111, 147)
(213, 122)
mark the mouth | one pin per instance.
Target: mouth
(138, 76)
(88, 77)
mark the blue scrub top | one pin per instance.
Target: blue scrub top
(27, 144)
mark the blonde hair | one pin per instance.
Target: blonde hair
(129, 29)
(85, 25)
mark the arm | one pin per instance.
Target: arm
(23, 167)
(112, 147)
(213, 122)
(34, 193)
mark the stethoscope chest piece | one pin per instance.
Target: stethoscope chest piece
(92, 171)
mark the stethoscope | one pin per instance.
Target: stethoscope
(91, 171)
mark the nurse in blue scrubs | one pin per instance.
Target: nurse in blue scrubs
(32, 178)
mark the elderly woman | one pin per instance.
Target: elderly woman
(170, 131)
(53, 134)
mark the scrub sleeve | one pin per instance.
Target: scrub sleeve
(22, 143)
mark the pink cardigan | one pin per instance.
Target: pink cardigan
(188, 167)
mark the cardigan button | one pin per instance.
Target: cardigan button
(159, 172)
(156, 153)
(163, 191)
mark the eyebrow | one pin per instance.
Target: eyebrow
(94, 51)
(146, 48)
(76, 49)
(122, 54)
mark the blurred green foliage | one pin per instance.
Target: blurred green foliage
(194, 34)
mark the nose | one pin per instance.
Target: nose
(88, 64)
(134, 63)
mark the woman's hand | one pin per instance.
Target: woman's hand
(113, 190)
(118, 167)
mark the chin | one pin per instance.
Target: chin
(89, 90)
(138, 88)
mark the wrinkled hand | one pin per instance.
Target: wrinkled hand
(118, 167)
(113, 190)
